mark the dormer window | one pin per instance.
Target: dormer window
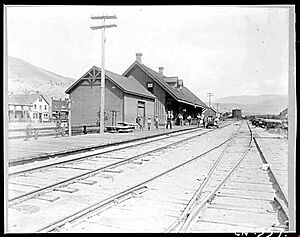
(150, 87)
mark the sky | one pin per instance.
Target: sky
(225, 50)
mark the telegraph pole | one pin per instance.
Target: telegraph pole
(69, 115)
(209, 94)
(102, 87)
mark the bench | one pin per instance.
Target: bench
(119, 128)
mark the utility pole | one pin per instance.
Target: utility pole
(69, 116)
(102, 87)
(209, 94)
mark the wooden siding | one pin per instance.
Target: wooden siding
(87, 102)
(158, 91)
(130, 108)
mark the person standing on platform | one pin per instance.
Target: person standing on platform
(63, 130)
(169, 118)
(198, 119)
(84, 129)
(149, 122)
(204, 122)
(216, 122)
(139, 122)
(156, 121)
(189, 119)
(180, 119)
(57, 128)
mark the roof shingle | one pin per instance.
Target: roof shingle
(183, 94)
(126, 84)
(129, 84)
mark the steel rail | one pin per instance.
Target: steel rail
(188, 217)
(114, 199)
(281, 201)
(94, 154)
(87, 174)
(193, 201)
(12, 174)
(85, 149)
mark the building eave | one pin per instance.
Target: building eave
(185, 102)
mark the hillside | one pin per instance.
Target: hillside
(24, 77)
(262, 104)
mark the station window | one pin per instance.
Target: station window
(150, 86)
(34, 106)
(45, 107)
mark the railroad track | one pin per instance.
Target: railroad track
(14, 171)
(242, 201)
(102, 176)
(28, 183)
(177, 197)
(153, 191)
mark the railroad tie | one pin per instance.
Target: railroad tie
(88, 182)
(48, 197)
(66, 190)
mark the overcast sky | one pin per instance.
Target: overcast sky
(226, 50)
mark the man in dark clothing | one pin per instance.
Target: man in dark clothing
(84, 129)
(169, 118)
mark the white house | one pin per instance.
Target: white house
(28, 107)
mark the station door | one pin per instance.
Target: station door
(141, 111)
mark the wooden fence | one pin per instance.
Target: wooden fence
(22, 133)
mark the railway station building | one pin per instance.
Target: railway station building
(169, 91)
(125, 98)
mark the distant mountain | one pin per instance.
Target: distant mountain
(262, 104)
(24, 77)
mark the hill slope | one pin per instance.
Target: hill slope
(24, 77)
(262, 104)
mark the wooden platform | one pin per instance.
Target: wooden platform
(20, 150)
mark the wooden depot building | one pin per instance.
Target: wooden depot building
(171, 94)
(125, 98)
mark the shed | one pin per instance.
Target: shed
(210, 112)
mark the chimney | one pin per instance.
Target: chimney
(179, 84)
(161, 70)
(139, 57)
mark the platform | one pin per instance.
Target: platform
(20, 150)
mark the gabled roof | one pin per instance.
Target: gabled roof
(127, 84)
(183, 95)
(212, 109)
(24, 99)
